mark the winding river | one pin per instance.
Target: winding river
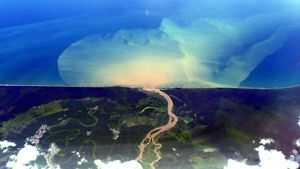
(153, 136)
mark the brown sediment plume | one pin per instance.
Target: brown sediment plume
(153, 136)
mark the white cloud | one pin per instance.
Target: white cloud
(5, 145)
(83, 160)
(133, 164)
(232, 164)
(23, 158)
(274, 159)
(266, 141)
(268, 159)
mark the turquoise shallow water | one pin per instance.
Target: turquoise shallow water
(217, 43)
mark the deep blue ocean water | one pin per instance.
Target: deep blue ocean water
(34, 33)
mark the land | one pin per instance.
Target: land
(109, 123)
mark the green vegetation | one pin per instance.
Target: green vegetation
(137, 121)
(206, 157)
(209, 161)
(182, 133)
(206, 135)
(236, 134)
(188, 119)
(21, 121)
(151, 103)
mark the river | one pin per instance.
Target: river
(152, 137)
